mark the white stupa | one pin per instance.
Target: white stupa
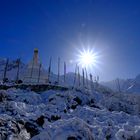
(35, 74)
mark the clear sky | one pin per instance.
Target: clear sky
(59, 27)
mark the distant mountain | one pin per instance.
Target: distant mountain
(128, 85)
(135, 85)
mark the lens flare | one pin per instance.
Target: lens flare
(87, 58)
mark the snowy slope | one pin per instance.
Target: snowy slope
(69, 115)
(135, 85)
(128, 85)
(75, 114)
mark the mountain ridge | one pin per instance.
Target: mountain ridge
(124, 85)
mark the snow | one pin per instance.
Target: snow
(74, 127)
(95, 113)
(12, 69)
(73, 114)
(126, 86)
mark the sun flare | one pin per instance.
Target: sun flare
(87, 58)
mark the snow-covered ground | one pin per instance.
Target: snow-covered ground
(68, 115)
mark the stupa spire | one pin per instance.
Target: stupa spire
(35, 57)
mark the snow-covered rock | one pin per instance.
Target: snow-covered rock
(71, 129)
(69, 115)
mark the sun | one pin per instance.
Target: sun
(87, 58)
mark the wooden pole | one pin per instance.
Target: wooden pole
(118, 84)
(86, 77)
(32, 70)
(49, 70)
(97, 80)
(64, 72)
(91, 79)
(5, 70)
(83, 77)
(79, 77)
(39, 73)
(58, 70)
(18, 66)
(75, 75)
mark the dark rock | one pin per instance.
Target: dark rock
(21, 122)
(72, 138)
(108, 137)
(40, 121)
(18, 81)
(50, 99)
(65, 111)
(55, 118)
(31, 128)
(92, 104)
(25, 101)
(110, 109)
(95, 106)
(78, 100)
(73, 106)
(3, 96)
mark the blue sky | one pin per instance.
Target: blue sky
(59, 27)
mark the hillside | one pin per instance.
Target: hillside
(127, 86)
(68, 115)
(80, 113)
